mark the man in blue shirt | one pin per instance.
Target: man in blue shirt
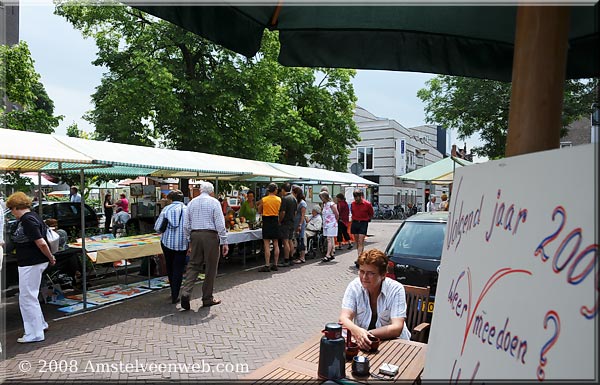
(173, 240)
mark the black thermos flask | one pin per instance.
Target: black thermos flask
(332, 359)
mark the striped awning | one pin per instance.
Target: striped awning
(31, 151)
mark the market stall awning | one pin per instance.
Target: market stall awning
(25, 151)
(312, 175)
(440, 172)
(246, 169)
(151, 160)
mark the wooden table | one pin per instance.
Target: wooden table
(301, 364)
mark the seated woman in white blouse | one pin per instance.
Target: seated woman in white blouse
(373, 304)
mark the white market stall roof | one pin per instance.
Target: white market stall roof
(156, 161)
(319, 175)
(25, 151)
(54, 153)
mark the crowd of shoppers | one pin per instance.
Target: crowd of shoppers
(194, 236)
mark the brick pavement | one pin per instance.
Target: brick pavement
(263, 315)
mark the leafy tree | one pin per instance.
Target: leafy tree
(16, 181)
(74, 132)
(32, 110)
(481, 106)
(170, 87)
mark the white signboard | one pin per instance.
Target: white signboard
(400, 157)
(517, 296)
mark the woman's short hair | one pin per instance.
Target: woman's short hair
(341, 196)
(374, 257)
(51, 222)
(317, 209)
(19, 201)
(175, 196)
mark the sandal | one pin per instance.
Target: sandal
(212, 302)
(327, 258)
(299, 261)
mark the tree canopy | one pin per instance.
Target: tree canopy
(29, 107)
(166, 86)
(481, 106)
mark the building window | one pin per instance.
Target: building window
(365, 157)
(566, 144)
(410, 159)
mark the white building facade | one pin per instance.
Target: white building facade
(388, 150)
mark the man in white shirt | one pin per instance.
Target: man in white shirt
(204, 226)
(119, 220)
(75, 196)
(431, 206)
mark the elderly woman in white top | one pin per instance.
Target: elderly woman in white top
(373, 304)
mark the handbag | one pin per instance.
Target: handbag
(53, 239)
(163, 225)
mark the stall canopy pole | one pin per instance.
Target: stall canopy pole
(83, 254)
(39, 186)
(538, 79)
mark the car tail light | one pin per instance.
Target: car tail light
(390, 270)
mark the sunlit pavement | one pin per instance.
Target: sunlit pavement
(263, 315)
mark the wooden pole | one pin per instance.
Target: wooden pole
(538, 78)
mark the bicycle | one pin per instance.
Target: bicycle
(388, 213)
(400, 213)
(377, 213)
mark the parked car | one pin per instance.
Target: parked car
(415, 250)
(68, 215)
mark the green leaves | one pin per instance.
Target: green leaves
(481, 106)
(32, 109)
(168, 86)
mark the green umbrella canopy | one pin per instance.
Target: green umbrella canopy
(471, 41)
(440, 172)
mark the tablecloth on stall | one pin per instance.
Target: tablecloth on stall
(111, 250)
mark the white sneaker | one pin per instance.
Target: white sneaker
(26, 340)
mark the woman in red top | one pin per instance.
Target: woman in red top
(343, 220)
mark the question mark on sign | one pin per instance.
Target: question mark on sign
(550, 316)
